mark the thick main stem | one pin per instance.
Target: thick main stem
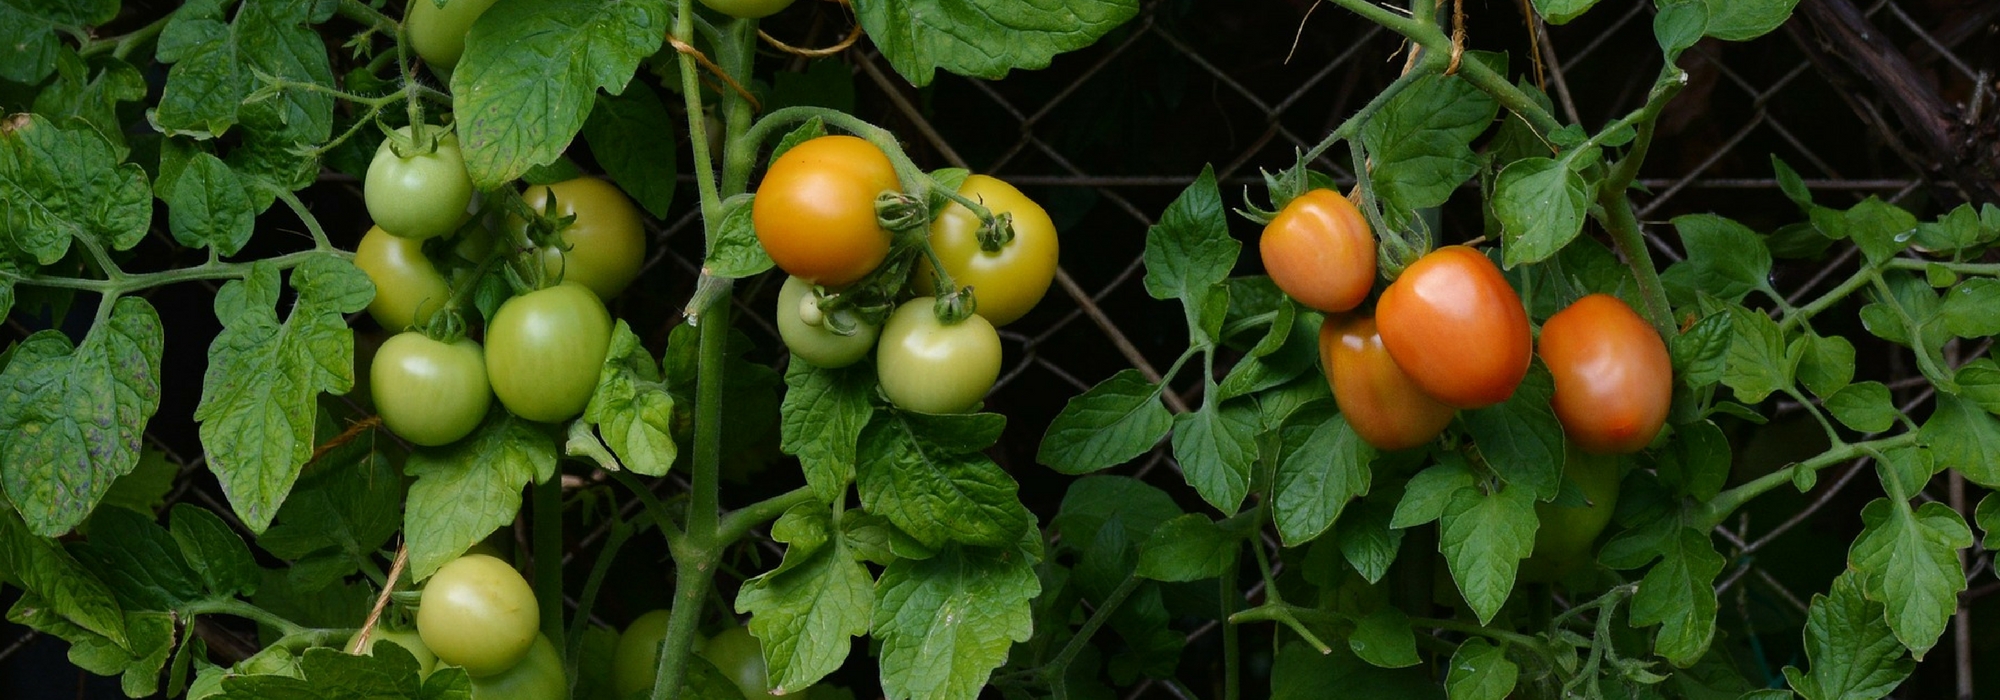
(548, 555)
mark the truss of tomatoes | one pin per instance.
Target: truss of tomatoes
(815, 215)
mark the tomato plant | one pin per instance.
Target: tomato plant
(544, 349)
(429, 392)
(930, 367)
(815, 209)
(477, 613)
(1320, 251)
(414, 193)
(1380, 402)
(438, 33)
(1456, 328)
(1009, 281)
(606, 243)
(1613, 378)
(408, 288)
(537, 676)
(818, 343)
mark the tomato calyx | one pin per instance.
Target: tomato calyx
(954, 307)
(842, 313)
(900, 212)
(418, 142)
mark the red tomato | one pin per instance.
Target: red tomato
(815, 209)
(1320, 251)
(1380, 402)
(1456, 328)
(1614, 379)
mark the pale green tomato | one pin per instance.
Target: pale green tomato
(815, 343)
(420, 196)
(438, 34)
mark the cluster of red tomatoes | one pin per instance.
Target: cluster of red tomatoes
(479, 614)
(1450, 334)
(815, 214)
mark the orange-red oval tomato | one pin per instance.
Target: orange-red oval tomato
(815, 209)
(607, 241)
(1614, 380)
(1320, 251)
(1381, 403)
(1456, 328)
(1008, 282)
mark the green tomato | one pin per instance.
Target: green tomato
(478, 613)
(409, 640)
(538, 676)
(741, 658)
(427, 392)
(813, 342)
(1563, 542)
(438, 33)
(607, 240)
(544, 350)
(747, 9)
(636, 663)
(408, 288)
(930, 367)
(420, 196)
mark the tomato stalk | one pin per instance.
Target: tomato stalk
(1711, 514)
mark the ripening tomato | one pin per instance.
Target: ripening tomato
(1320, 251)
(409, 640)
(815, 210)
(538, 676)
(408, 288)
(815, 343)
(1614, 380)
(740, 657)
(1008, 282)
(929, 367)
(423, 195)
(1384, 407)
(636, 660)
(747, 9)
(478, 613)
(430, 393)
(438, 33)
(1456, 328)
(1563, 542)
(607, 240)
(544, 350)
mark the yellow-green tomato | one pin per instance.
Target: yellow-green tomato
(538, 676)
(607, 241)
(807, 333)
(747, 9)
(478, 613)
(1563, 542)
(428, 392)
(544, 350)
(636, 662)
(929, 367)
(741, 658)
(408, 288)
(418, 195)
(1007, 282)
(407, 639)
(438, 33)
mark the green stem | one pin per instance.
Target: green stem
(548, 554)
(368, 16)
(1915, 265)
(1623, 226)
(1861, 278)
(1469, 628)
(127, 283)
(621, 531)
(237, 608)
(1059, 665)
(123, 45)
(1232, 671)
(305, 215)
(1352, 127)
(692, 581)
(1717, 509)
(738, 522)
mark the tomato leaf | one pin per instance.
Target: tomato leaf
(1480, 671)
(1300, 672)
(1366, 538)
(1743, 20)
(31, 33)
(1987, 514)
(140, 560)
(216, 554)
(1854, 653)
(1759, 363)
(1965, 438)
(340, 512)
(138, 664)
(1696, 463)
(71, 419)
(936, 493)
(56, 588)
(984, 39)
(531, 71)
(1826, 364)
(1383, 638)
(1865, 407)
(824, 411)
(734, 251)
(1562, 11)
(1520, 437)
(390, 673)
(806, 611)
(466, 490)
(63, 183)
(1296, 354)
(946, 622)
(1118, 419)
(631, 407)
(1430, 491)
(1189, 250)
(76, 93)
(1187, 548)
(1968, 309)
(1092, 502)
(1540, 203)
(1216, 446)
(1316, 480)
(629, 135)
(1979, 382)
(1483, 538)
(1879, 228)
(1700, 353)
(1680, 592)
(1421, 140)
(1908, 562)
(217, 72)
(1680, 25)
(258, 399)
(145, 489)
(208, 206)
(1724, 259)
